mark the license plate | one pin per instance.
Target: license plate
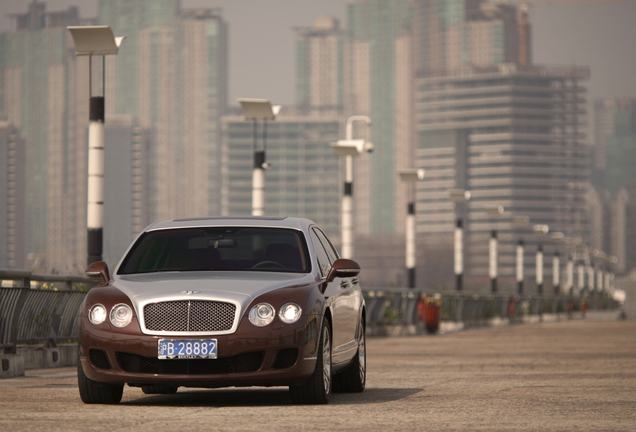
(187, 349)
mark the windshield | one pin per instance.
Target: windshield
(218, 249)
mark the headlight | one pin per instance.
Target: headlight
(290, 313)
(121, 315)
(262, 314)
(97, 314)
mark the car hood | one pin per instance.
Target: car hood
(239, 288)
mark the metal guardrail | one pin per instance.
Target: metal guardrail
(33, 314)
(393, 307)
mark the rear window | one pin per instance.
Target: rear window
(218, 249)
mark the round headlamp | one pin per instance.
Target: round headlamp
(262, 314)
(121, 315)
(97, 314)
(289, 313)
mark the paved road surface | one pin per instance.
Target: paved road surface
(566, 376)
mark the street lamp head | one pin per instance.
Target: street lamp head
(369, 147)
(94, 40)
(411, 174)
(348, 147)
(258, 109)
(459, 195)
(494, 211)
(557, 237)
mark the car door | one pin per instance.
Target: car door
(344, 303)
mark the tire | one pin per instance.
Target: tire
(159, 389)
(317, 389)
(93, 392)
(354, 378)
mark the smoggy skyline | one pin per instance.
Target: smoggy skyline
(261, 40)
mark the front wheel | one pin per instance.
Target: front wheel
(317, 390)
(94, 392)
(354, 378)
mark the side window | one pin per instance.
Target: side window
(323, 260)
(331, 251)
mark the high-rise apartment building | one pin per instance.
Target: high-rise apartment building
(512, 135)
(615, 143)
(320, 68)
(48, 104)
(378, 83)
(12, 198)
(452, 34)
(172, 75)
(303, 180)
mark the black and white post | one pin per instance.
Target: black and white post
(347, 149)
(459, 197)
(494, 212)
(95, 209)
(520, 264)
(492, 259)
(255, 110)
(410, 177)
(89, 41)
(459, 255)
(539, 269)
(556, 273)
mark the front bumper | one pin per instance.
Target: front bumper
(275, 355)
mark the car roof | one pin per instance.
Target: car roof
(236, 221)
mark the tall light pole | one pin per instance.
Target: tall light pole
(89, 41)
(522, 223)
(540, 231)
(459, 197)
(557, 238)
(348, 148)
(410, 177)
(493, 212)
(255, 110)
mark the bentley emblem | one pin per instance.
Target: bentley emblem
(190, 292)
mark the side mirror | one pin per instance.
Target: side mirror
(98, 270)
(343, 268)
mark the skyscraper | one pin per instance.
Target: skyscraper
(512, 135)
(172, 76)
(378, 83)
(12, 198)
(39, 91)
(320, 67)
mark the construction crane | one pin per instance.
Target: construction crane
(524, 25)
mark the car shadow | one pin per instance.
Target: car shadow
(264, 397)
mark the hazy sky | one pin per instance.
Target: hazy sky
(261, 51)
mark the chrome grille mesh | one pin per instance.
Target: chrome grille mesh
(189, 316)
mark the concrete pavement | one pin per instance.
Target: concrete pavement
(573, 375)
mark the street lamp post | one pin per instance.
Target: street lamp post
(459, 196)
(255, 110)
(348, 148)
(520, 222)
(493, 212)
(540, 230)
(89, 41)
(410, 177)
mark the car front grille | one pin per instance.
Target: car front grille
(242, 363)
(189, 316)
(99, 358)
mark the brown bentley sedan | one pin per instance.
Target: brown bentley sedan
(219, 302)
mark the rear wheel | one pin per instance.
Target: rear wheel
(159, 389)
(94, 392)
(354, 378)
(317, 390)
